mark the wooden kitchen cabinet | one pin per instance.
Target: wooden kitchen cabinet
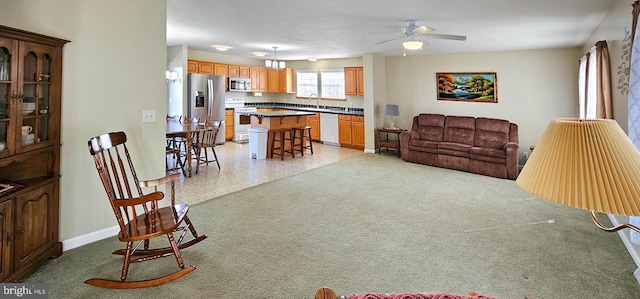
(314, 122)
(192, 66)
(258, 76)
(351, 131)
(222, 70)
(228, 122)
(239, 71)
(354, 81)
(30, 97)
(357, 131)
(344, 130)
(273, 80)
(286, 81)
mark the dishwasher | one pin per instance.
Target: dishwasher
(329, 129)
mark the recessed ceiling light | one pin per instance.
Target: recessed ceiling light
(312, 59)
(259, 53)
(222, 47)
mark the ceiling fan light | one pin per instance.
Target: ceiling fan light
(412, 45)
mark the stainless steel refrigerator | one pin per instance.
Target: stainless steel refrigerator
(206, 99)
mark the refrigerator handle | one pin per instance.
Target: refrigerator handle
(210, 97)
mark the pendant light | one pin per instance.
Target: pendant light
(275, 64)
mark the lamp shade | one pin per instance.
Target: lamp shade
(392, 110)
(587, 164)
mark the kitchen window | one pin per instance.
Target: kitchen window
(327, 84)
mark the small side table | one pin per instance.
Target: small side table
(389, 143)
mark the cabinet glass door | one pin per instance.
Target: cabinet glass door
(7, 92)
(36, 94)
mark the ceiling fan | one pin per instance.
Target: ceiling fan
(415, 36)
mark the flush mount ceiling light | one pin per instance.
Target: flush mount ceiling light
(412, 45)
(259, 53)
(312, 59)
(275, 64)
(222, 47)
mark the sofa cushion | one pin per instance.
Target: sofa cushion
(430, 127)
(491, 133)
(489, 152)
(459, 129)
(454, 149)
(423, 146)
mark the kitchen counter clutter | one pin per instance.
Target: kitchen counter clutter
(307, 107)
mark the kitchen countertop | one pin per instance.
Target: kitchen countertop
(283, 113)
(333, 110)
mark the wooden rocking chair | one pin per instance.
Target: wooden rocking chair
(139, 215)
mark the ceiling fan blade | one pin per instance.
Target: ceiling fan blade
(422, 30)
(384, 41)
(425, 41)
(386, 33)
(446, 36)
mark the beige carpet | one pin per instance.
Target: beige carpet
(374, 224)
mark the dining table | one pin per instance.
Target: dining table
(188, 131)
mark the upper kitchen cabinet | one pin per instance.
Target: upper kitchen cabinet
(220, 69)
(286, 81)
(258, 76)
(239, 71)
(200, 67)
(281, 80)
(354, 81)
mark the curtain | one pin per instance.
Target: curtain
(633, 102)
(603, 97)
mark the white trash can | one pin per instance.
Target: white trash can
(258, 143)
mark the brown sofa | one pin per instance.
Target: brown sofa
(486, 146)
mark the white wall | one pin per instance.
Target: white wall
(113, 68)
(533, 87)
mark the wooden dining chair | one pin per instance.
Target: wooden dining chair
(208, 141)
(139, 215)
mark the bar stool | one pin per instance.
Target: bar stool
(299, 134)
(281, 136)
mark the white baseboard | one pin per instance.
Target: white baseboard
(626, 240)
(369, 151)
(89, 238)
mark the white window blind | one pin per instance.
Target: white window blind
(328, 84)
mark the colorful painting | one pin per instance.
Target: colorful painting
(468, 87)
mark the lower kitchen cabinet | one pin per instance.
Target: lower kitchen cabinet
(314, 122)
(228, 123)
(351, 131)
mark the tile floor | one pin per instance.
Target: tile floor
(239, 171)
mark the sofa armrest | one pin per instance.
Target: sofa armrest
(511, 145)
(404, 143)
(511, 159)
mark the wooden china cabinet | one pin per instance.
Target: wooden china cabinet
(30, 105)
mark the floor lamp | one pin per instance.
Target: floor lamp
(586, 164)
(394, 111)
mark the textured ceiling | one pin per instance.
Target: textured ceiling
(338, 28)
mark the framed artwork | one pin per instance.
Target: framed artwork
(468, 87)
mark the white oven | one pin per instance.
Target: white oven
(241, 123)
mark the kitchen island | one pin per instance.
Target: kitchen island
(272, 120)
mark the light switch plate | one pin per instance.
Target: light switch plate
(148, 116)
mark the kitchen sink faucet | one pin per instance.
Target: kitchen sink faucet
(317, 99)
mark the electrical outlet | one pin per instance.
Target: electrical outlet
(525, 156)
(148, 116)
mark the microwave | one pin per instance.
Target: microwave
(239, 84)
